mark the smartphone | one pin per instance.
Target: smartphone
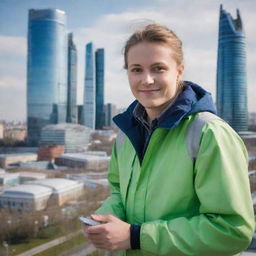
(89, 221)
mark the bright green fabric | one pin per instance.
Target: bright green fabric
(185, 208)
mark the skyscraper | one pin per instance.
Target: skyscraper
(72, 81)
(46, 70)
(99, 75)
(231, 71)
(89, 89)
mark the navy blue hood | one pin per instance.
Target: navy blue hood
(191, 100)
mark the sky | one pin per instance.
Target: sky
(108, 24)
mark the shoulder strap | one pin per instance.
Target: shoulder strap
(194, 132)
(120, 140)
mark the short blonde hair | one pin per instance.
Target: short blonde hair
(155, 33)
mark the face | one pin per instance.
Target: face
(153, 74)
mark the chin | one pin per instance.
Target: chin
(151, 104)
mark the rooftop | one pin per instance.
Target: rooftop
(57, 184)
(16, 155)
(27, 190)
(84, 157)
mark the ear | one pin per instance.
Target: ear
(180, 70)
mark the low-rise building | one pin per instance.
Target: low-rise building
(25, 197)
(31, 176)
(63, 190)
(89, 180)
(84, 161)
(6, 159)
(15, 133)
(50, 152)
(9, 179)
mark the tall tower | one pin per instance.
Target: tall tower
(99, 67)
(46, 70)
(89, 89)
(231, 72)
(72, 81)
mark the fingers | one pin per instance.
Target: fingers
(96, 229)
(103, 217)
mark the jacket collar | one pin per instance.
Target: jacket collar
(191, 100)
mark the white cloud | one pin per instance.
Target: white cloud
(13, 46)
(12, 82)
(197, 27)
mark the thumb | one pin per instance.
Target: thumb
(102, 217)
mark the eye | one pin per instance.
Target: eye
(159, 68)
(136, 70)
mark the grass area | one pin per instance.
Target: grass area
(47, 235)
(22, 247)
(64, 247)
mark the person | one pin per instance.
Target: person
(167, 199)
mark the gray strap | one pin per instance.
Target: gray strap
(195, 130)
(120, 140)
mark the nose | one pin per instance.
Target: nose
(147, 78)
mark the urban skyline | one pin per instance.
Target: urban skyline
(46, 70)
(231, 85)
(199, 43)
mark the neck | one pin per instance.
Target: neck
(152, 113)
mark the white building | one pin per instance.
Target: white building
(25, 197)
(63, 190)
(9, 178)
(30, 176)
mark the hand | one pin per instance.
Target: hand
(113, 235)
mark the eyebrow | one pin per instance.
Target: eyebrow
(154, 64)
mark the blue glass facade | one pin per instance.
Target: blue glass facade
(46, 70)
(72, 81)
(99, 79)
(89, 89)
(231, 72)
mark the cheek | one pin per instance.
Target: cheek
(132, 82)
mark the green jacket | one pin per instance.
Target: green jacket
(184, 207)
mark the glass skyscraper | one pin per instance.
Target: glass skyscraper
(231, 72)
(99, 72)
(89, 89)
(72, 81)
(46, 70)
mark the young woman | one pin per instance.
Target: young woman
(178, 173)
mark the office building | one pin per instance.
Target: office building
(46, 70)
(231, 71)
(89, 89)
(73, 137)
(72, 81)
(110, 112)
(99, 80)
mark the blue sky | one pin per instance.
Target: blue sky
(108, 23)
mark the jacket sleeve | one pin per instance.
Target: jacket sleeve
(113, 204)
(225, 223)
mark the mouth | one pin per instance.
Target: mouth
(149, 91)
